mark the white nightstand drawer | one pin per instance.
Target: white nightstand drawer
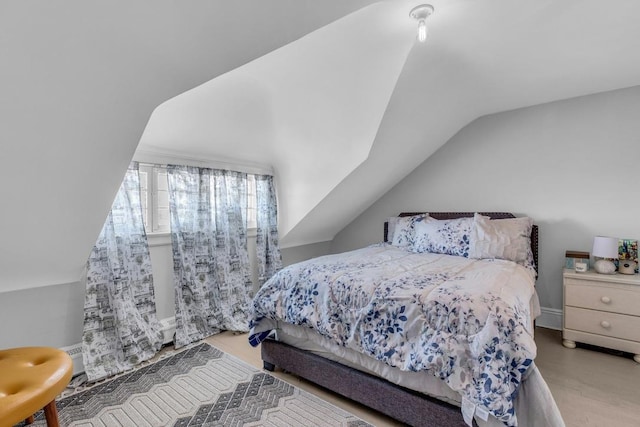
(603, 323)
(606, 298)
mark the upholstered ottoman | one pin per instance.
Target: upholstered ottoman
(30, 380)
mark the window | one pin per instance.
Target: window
(154, 192)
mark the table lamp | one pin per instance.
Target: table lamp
(605, 247)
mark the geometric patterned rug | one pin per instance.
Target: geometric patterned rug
(200, 386)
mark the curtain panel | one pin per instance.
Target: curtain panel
(213, 288)
(267, 247)
(120, 324)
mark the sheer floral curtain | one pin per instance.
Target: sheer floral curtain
(209, 239)
(120, 324)
(267, 247)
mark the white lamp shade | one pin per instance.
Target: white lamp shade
(605, 247)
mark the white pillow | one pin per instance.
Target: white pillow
(403, 230)
(508, 239)
(391, 227)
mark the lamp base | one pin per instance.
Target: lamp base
(604, 266)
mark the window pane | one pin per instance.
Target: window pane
(251, 201)
(144, 197)
(161, 208)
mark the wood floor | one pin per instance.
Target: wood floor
(592, 388)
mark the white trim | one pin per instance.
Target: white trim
(158, 156)
(159, 239)
(168, 327)
(75, 351)
(22, 287)
(299, 243)
(550, 318)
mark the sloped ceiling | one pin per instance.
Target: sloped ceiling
(309, 110)
(344, 113)
(80, 79)
(78, 82)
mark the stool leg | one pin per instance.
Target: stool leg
(51, 414)
(29, 420)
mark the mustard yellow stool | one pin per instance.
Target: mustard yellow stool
(30, 379)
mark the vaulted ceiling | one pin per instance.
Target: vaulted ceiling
(335, 97)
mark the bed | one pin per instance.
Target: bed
(431, 327)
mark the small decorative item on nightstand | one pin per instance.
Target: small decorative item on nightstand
(606, 249)
(581, 267)
(577, 260)
(627, 266)
(628, 256)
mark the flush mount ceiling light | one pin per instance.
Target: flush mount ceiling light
(421, 13)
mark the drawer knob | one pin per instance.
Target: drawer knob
(605, 324)
(606, 300)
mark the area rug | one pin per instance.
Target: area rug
(200, 386)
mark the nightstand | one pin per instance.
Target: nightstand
(602, 310)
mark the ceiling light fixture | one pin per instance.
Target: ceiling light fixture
(421, 13)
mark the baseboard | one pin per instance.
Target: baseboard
(550, 318)
(168, 329)
(75, 351)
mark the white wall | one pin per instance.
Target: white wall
(571, 165)
(44, 316)
(53, 315)
(302, 253)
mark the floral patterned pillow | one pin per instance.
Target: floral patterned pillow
(401, 229)
(450, 236)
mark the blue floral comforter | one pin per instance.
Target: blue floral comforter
(463, 320)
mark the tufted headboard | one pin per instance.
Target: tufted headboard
(492, 215)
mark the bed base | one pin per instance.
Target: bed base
(402, 404)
